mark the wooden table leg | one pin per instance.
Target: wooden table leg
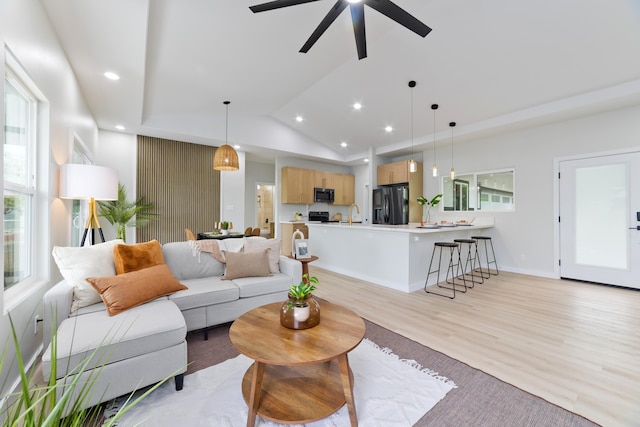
(256, 389)
(347, 386)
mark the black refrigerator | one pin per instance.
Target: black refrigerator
(391, 205)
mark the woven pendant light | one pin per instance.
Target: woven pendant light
(226, 158)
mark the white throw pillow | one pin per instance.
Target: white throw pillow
(259, 244)
(78, 263)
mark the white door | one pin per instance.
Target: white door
(600, 219)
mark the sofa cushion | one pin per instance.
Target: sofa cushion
(128, 290)
(253, 286)
(257, 244)
(78, 263)
(187, 263)
(128, 258)
(253, 264)
(141, 330)
(204, 292)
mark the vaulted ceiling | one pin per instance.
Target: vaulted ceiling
(491, 65)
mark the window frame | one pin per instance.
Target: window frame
(474, 201)
(12, 70)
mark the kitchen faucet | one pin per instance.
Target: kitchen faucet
(351, 212)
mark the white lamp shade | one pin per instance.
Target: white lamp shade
(81, 182)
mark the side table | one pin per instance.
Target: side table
(305, 263)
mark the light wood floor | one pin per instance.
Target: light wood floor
(574, 344)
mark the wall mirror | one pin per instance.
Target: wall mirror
(491, 191)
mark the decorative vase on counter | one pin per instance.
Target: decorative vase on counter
(300, 313)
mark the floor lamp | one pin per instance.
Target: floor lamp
(89, 182)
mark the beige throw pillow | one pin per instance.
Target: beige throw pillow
(253, 264)
(259, 244)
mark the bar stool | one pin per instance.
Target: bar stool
(453, 247)
(486, 253)
(471, 259)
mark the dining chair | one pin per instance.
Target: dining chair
(247, 231)
(255, 232)
(189, 234)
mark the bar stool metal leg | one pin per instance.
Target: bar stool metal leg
(493, 261)
(453, 247)
(471, 259)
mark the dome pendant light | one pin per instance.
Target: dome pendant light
(434, 107)
(452, 173)
(226, 158)
(413, 167)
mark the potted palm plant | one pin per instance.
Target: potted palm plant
(122, 213)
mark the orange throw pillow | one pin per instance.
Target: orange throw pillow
(128, 258)
(129, 290)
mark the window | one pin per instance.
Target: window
(492, 191)
(20, 108)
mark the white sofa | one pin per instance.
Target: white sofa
(147, 343)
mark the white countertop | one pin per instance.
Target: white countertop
(404, 228)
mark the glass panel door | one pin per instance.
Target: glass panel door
(599, 238)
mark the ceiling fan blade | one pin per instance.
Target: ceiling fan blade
(402, 17)
(322, 27)
(357, 17)
(277, 4)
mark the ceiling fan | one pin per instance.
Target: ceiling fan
(386, 7)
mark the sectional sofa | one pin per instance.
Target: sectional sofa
(127, 308)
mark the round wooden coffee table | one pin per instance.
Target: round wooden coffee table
(299, 376)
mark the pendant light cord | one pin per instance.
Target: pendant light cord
(226, 124)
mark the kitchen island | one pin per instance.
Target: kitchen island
(396, 256)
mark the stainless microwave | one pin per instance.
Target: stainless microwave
(323, 195)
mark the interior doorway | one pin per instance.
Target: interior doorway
(264, 209)
(600, 219)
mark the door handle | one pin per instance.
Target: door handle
(637, 227)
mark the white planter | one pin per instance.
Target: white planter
(301, 313)
(224, 232)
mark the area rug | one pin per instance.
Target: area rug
(388, 391)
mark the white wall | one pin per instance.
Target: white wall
(119, 151)
(524, 239)
(26, 31)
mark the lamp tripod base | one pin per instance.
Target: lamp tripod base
(92, 224)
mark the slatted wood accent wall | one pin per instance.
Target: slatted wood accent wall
(178, 178)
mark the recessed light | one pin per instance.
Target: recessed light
(111, 75)
(120, 127)
(299, 119)
(237, 147)
(357, 106)
(343, 144)
(366, 160)
(388, 128)
(354, 1)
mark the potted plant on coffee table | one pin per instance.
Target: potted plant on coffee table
(301, 310)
